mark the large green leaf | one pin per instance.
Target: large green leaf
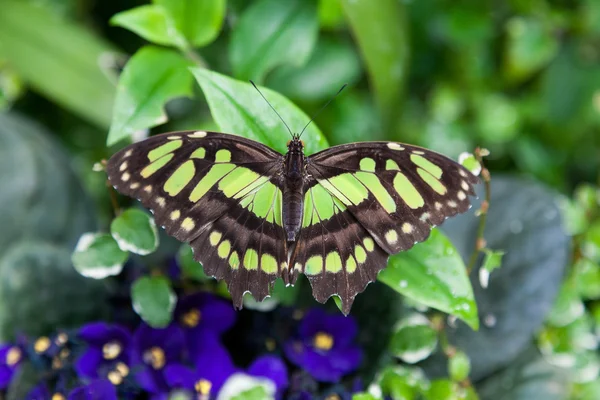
(135, 231)
(272, 33)
(238, 108)
(98, 255)
(154, 300)
(433, 273)
(382, 34)
(198, 21)
(152, 23)
(152, 77)
(58, 58)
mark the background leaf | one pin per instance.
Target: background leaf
(98, 255)
(152, 77)
(272, 33)
(238, 108)
(154, 300)
(433, 273)
(150, 22)
(135, 231)
(380, 29)
(59, 59)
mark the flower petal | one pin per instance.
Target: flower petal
(345, 360)
(100, 389)
(87, 365)
(271, 367)
(216, 314)
(99, 333)
(342, 328)
(180, 376)
(170, 340)
(314, 321)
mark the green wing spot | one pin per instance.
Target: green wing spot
(216, 172)
(251, 187)
(234, 260)
(349, 187)
(332, 189)
(360, 254)
(251, 259)
(407, 191)
(268, 264)
(314, 265)
(200, 152)
(372, 182)
(367, 164)
(263, 200)
(369, 244)
(180, 178)
(333, 262)
(214, 238)
(391, 165)
(277, 208)
(223, 156)
(156, 165)
(224, 249)
(237, 180)
(350, 265)
(431, 181)
(165, 149)
(426, 165)
(323, 202)
(308, 209)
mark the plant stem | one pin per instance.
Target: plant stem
(480, 243)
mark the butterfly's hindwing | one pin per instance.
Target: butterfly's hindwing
(395, 192)
(220, 193)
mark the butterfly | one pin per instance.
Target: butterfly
(252, 215)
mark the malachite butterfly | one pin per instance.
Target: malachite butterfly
(252, 215)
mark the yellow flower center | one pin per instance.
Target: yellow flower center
(155, 357)
(115, 378)
(58, 396)
(41, 345)
(122, 369)
(333, 397)
(191, 318)
(13, 356)
(323, 341)
(203, 387)
(111, 350)
(62, 338)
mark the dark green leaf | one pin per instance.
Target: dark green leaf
(497, 118)
(152, 77)
(332, 64)
(434, 274)
(198, 21)
(59, 59)
(331, 14)
(256, 393)
(381, 31)
(587, 278)
(135, 231)
(190, 267)
(238, 108)
(363, 396)
(285, 295)
(272, 33)
(402, 383)
(154, 300)
(98, 255)
(152, 23)
(591, 242)
(459, 366)
(414, 339)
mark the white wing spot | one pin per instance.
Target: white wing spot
(395, 146)
(127, 153)
(125, 177)
(425, 216)
(173, 137)
(452, 203)
(123, 166)
(461, 195)
(175, 215)
(391, 236)
(418, 152)
(197, 134)
(462, 173)
(407, 228)
(134, 185)
(438, 205)
(188, 224)
(148, 189)
(464, 185)
(160, 201)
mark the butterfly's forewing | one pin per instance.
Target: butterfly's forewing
(382, 198)
(220, 193)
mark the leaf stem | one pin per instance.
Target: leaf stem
(194, 56)
(480, 242)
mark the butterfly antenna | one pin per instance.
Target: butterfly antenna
(322, 108)
(272, 108)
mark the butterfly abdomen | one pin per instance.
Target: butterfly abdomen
(293, 193)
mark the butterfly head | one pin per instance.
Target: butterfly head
(295, 145)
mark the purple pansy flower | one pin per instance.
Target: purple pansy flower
(99, 389)
(108, 354)
(273, 368)
(10, 359)
(39, 392)
(203, 311)
(152, 351)
(324, 346)
(213, 365)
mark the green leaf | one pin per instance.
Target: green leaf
(591, 242)
(331, 14)
(469, 161)
(459, 366)
(333, 64)
(587, 278)
(190, 267)
(152, 23)
(567, 307)
(198, 21)
(402, 383)
(285, 295)
(414, 339)
(381, 30)
(59, 59)
(363, 396)
(98, 255)
(497, 118)
(434, 274)
(135, 231)
(238, 108)
(441, 389)
(256, 393)
(153, 300)
(573, 216)
(272, 33)
(152, 77)
(492, 259)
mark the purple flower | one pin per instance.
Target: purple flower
(108, 354)
(10, 359)
(324, 346)
(203, 312)
(39, 392)
(153, 350)
(213, 365)
(273, 368)
(100, 389)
